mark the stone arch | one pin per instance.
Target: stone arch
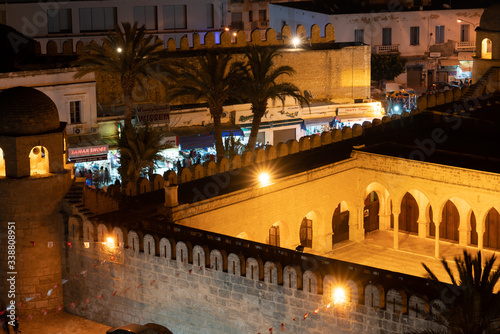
(133, 242)
(418, 307)
(409, 214)
(354, 292)
(293, 146)
(312, 282)
(52, 48)
(201, 256)
(486, 48)
(292, 277)
(80, 48)
(170, 177)
(254, 269)
(157, 182)
(375, 296)
(166, 247)
(273, 273)
(118, 233)
(437, 307)
(67, 47)
(102, 233)
(223, 165)
(184, 252)
(218, 260)
(491, 223)
(210, 168)
(143, 186)
(89, 232)
(236, 264)
(185, 175)
(39, 160)
(281, 150)
(340, 223)
(449, 221)
(378, 215)
(311, 229)
(396, 302)
(198, 172)
(75, 228)
(149, 245)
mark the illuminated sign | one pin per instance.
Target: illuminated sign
(87, 151)
(354, 111)
(155, 114)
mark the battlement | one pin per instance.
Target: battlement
(226, 40)
(181, 253)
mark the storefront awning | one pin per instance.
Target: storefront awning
(194, 137)
(231, 129)
(87, 148)
(274, 124)
(319, 120)
(449, 62)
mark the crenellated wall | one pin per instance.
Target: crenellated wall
(194, 281)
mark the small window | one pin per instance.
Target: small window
(274, 236)
(174, 17)
(2, 17)
(236, 20)
(75, 111)
(306, 233)
(210, 15)
(414, 35)
(464, 32)
(386, 36)
(439, 34)
(58, 21)
(359, 35)
(250, 16)
(97, 19)
(146, 16)
(262, 15)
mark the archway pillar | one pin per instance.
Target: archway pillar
(422, 228)
(396, 228)
(436, 241)
(356, 228)
(463, 232)
(384, 222)
(480, 233)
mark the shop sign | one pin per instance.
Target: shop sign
(87, 151)
(172, 141)
(161, 114)
(353, 111)
(434, 54)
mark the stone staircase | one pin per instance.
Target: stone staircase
(478, 89)
(75, 193)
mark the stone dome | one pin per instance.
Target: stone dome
(26, 111)
(490, 18)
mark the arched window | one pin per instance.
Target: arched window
(39, 160)
(274, 236)
(2, 163)
(306, 233)
(486, 48)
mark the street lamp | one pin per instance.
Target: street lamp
(462, 20)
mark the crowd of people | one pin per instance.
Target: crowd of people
(101, 177)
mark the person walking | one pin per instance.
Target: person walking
(107, 177)
(4, 321)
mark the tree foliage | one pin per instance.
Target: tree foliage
(387, 66)
(212, 80)
(129, 55)
(471, 306)
(139, 151)
(261, 82)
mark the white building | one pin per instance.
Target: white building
(73, 21)
(438, 47)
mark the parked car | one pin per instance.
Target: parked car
(440, 86)
(131, 329)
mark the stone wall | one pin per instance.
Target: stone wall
(191, 286)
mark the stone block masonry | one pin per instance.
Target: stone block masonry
(119, 285)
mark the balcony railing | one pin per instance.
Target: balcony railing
(259, 24)
(465, 46)
(386, 48)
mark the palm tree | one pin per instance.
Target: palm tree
(128, 54)
(139, 151)
(212, 80)
(260, 84)
(472, 307)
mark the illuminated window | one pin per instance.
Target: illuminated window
(39, 160)
(486, 49)
(2, 163)
(274, 236)
(306, 233)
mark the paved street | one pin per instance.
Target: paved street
(61, 323)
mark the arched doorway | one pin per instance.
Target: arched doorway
(39, 160)
(306, 232)
(491, 236)
(486, 48)
(274, 235)
(473, 229)
(408, 218)
(370, 212)
(450, 220)
(340, 225)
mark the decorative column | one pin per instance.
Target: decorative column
(436, 247)
(463, 231)
(480, 233)
(356, 229)
(422, 228)
(396, 228)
